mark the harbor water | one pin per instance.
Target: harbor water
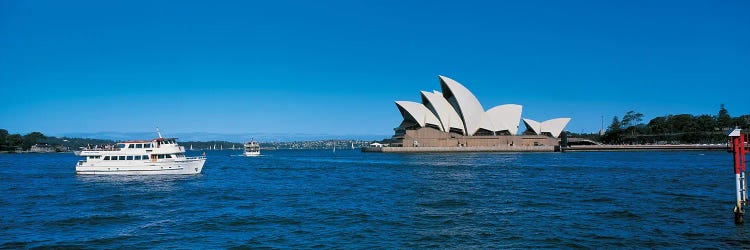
(349, 199)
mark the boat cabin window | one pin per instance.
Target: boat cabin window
(106, 158)
(168, 156)
(138, 145)
(94, 157)
(120, 145)
(130, 158)
(161, 156)
(131, 145)
(145, 157)
(137, 157)
(122, 157)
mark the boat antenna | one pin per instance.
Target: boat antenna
(158, 132)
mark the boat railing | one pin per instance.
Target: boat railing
(196, 158)
(100, 149)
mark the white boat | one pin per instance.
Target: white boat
(139, 157)
(252, 148)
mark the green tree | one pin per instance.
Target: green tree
(13, 141)
(32, 138)
(658, 125)
(631, 118)
(705, 123)
(3, 138)
(614, 132)
(632, 121)
(615, 125)
(724, 120)
(684, 123)
(742, 121)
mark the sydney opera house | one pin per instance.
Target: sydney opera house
(455, 118)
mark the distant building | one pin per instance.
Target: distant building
(455, 118)
(45, 148)
(42, 148)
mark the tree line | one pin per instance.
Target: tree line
(13, 142)
(673, 129)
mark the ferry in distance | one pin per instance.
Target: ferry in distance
(139, 157)
(252, 148)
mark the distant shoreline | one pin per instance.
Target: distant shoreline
(29, 152)
(676, 147)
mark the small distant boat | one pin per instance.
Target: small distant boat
(252, 148)
(139, 157)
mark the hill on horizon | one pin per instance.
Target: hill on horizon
(229, 137)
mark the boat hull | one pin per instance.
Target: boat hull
(194, 166)
(251, 153)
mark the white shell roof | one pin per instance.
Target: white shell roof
(555, 126)
(416, 112)
(505, 117)
(552, 126)
(456, 107)
(532, 125)
(486, 123)
(466, 104)
(445, 112)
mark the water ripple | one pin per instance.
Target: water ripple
(347, 199)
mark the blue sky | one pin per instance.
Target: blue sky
(336, 67)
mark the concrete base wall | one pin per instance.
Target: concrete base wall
(433, 140)
(430, 137)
